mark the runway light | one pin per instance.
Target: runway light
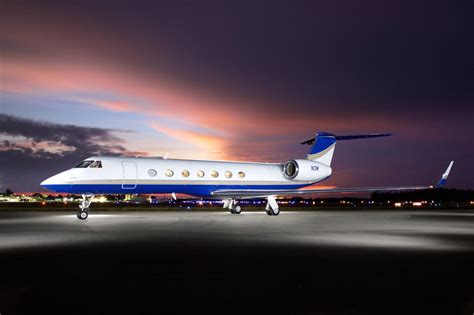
(102, 199)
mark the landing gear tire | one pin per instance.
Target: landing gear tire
(82, 215)
(273, 212)
(237, 210)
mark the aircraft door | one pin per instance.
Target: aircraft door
(130, 175)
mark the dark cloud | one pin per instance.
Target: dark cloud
(315, 55)
(25, 166)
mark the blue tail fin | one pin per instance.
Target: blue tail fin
(324, 143)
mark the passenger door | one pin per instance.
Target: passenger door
(130, 175)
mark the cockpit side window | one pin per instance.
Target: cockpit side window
(96, 164)
(84, 164)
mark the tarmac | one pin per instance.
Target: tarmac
(311, 262)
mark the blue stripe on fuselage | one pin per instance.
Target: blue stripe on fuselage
(196, 190)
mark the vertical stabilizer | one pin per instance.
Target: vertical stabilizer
(323, 148)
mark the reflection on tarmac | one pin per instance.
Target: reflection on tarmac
(322, 262)
(440, 231)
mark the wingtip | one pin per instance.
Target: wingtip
(444, 177)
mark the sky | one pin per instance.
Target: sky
(238, 80)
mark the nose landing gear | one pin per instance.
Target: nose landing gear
(83, 213)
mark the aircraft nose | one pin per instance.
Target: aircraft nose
(58, 183)
(48, 181)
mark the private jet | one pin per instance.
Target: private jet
(226, 180)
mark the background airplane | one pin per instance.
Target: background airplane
(225, 180)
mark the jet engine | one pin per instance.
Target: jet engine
(305, 170)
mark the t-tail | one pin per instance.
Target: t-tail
(324, 143)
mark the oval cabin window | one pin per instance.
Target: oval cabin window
(185, 173)
(200, 173)
(241, 174)
(169, 173)
(214, 173)
(152, 172)
(228, 174)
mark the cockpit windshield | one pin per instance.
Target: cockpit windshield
(96, 164)
(84, 164)
(89, 164)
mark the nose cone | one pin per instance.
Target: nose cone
(47, 182)
(51, 182)
(57, 183)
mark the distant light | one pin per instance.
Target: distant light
(417, 204)
(398, 204)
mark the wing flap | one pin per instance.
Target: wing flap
(281, 192)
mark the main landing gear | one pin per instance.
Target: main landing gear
(83, 213)
(271, 208)
(231, 204)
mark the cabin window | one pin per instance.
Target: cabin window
(96, 164)
(185, 173)
(200, 173)
(169, 173)
(241, 174)
(214, 173)
(84, 164)
(228, 174)
(152, 172)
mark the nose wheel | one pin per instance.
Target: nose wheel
(83, 213)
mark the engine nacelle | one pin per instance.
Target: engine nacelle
(306, 170)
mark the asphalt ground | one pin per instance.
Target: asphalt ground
(311, 262)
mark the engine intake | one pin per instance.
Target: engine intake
(291, 169)
(305, 170)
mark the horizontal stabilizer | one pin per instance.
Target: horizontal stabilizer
(351, 137)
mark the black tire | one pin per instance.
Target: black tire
(237, 210)
(82, 215)
(273, 212)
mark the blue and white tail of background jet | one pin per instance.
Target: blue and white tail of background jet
(324, 144)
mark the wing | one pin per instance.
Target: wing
(254, 193)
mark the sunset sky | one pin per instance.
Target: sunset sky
(243, 80)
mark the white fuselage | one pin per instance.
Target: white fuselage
(124, 175)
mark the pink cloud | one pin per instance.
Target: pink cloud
(241, 125)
